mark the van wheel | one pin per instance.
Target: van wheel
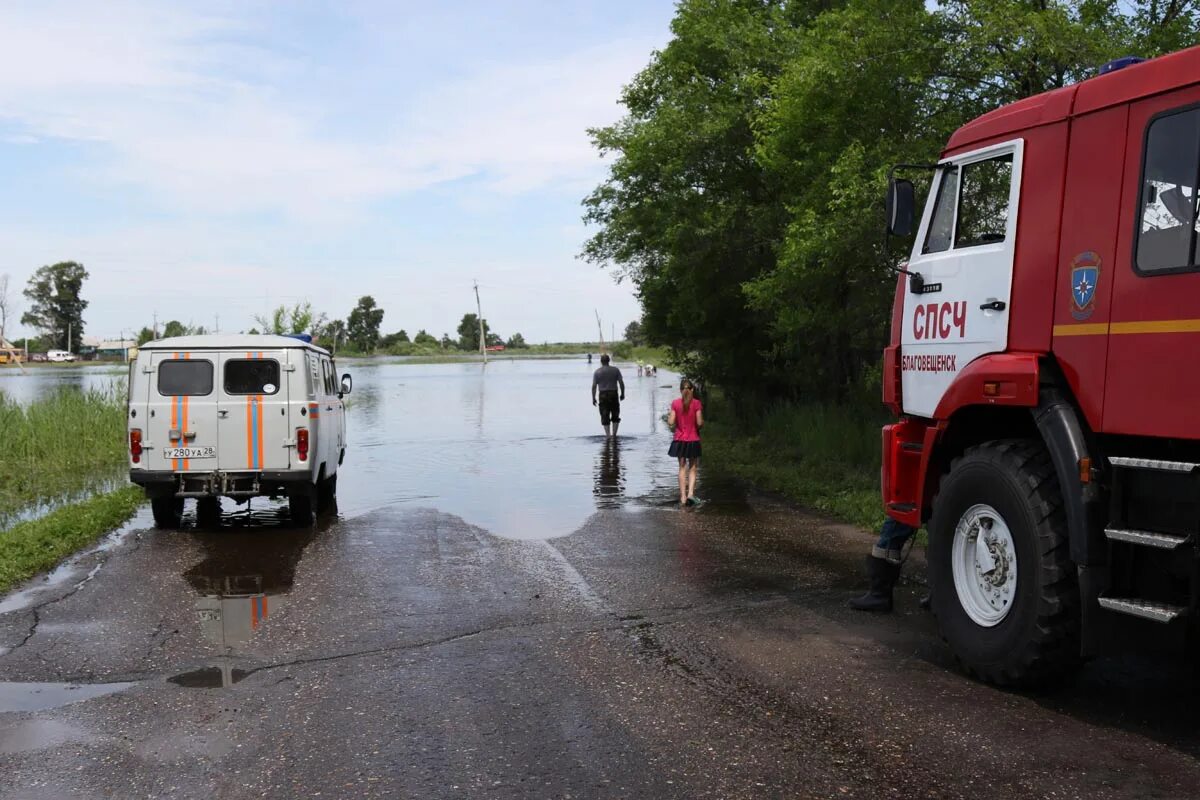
(300, 509)
(168, 512)
(1004, 588)
(327, 494)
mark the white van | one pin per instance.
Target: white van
(236, 416)
(61, 356)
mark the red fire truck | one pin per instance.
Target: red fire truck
(1044, 366)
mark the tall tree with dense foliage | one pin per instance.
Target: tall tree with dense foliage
(744, 199)
(468, 332)
(362, 326)
(55, 305)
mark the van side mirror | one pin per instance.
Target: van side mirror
(347, 383)
(901, 201)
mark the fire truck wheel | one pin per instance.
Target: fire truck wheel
(168, 512)
(1004, 588)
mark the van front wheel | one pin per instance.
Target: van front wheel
(168, 512)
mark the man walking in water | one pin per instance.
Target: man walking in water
(606, 380)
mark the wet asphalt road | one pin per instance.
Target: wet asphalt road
(401, 651)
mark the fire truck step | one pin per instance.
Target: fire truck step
(1163, 541)
(1153, 463)
(1146, 609)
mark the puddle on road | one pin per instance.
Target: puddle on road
(31, 735)
(41, 696)
(514, 448)
(249, 563)
(216, 677)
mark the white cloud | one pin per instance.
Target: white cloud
(184, 108)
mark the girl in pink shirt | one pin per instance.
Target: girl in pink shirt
(686, 419)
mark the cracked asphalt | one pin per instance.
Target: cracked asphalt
(399, 650)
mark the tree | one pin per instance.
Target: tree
(424, 338)
(144, 335)
(468, 333)
(331, 334)
(174, 328)
(5, 304)
(633, 333)
(56, 308)
(745, 184)
(516, 342)
(300, 318)
(362, 326)
(447, 343)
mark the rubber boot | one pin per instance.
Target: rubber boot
(882, 576)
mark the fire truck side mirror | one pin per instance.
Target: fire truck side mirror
(900, 206)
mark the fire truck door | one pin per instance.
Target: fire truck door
(1153, 374)
(964, 254)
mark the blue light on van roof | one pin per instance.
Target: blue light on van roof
(1120, 63)
(304, 337)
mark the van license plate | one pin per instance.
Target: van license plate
(189, 452)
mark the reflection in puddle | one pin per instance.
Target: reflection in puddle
(249, 562)
(216, 677)
(41, 696)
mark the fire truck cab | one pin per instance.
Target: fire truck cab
(1044, 366)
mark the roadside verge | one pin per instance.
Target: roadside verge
(29, 548)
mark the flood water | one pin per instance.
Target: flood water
(515, 447)
(38, 381)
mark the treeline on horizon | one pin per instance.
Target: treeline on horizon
(744, 199)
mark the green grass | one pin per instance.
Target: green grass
(58, 444)
(35, 546)
(824, 457)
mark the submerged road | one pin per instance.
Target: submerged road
(399, 650)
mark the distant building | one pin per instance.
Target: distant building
(106, 349)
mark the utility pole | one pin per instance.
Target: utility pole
(600, 330)
(217, 329)
(155, 324)
(69, 332)
(479, 314)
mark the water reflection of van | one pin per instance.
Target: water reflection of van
(235, 416)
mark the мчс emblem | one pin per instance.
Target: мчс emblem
(1085, 274)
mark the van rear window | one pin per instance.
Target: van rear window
(185, 377)
(251, 376)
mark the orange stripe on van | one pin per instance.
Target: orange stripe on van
(174, 424)
(183, 423)
(261, 424)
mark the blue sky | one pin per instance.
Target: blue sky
(222, 157)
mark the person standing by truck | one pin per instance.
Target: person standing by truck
(606, 380)
(883, 567)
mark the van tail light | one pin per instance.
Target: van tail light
(135, 445)
(302, 443)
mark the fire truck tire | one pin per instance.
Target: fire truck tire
(168, 512)
(1002, 501)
